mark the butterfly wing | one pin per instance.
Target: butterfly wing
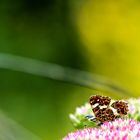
(121, 107)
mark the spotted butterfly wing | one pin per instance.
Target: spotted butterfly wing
(121, 107)
(103, 111)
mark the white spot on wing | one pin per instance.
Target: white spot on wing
(93, 106)
(114, 110)
(104, 106)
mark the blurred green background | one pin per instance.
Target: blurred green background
(101, 37)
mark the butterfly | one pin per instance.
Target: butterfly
(105, 109)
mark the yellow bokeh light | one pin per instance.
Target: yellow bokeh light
(110, 31)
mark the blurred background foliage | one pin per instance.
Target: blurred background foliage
(101, 37)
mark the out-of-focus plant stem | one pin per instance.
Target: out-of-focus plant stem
(11, 130)
(57, 72)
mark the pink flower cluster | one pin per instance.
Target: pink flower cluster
(117, 130)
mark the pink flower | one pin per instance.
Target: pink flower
(117, 130)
